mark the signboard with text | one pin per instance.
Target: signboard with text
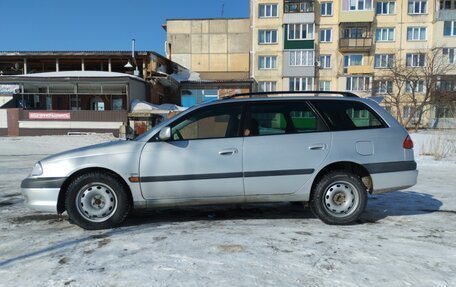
(49, 116)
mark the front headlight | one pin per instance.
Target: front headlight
(37, 170)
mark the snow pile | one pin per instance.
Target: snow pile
(434, 145)
(141, 106)
(185, 75)
(8, 89)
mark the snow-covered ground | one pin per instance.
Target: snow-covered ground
(405, 238)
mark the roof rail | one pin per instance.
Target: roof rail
(266, 94)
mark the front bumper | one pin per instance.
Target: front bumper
(42, 193)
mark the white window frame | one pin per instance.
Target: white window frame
(297, 31)
(265, 7)
(384, 61)
(353, 5)
(416, 33)
(452, 28)
(325, 61)
(302, 58)
(386, 7)
(420, 6)
(301, 83)
(272, 60)
(419, 88)
(382, 33)
(349, 62)
(384, 87)
(325, 7)
(325, 32)
(265, 37)
(267, 86)
(449, 54)
(324, 86)
(353, 83)
(416, 60)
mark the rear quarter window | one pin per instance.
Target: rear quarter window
(348, 115)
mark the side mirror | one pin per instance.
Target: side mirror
(165, 134)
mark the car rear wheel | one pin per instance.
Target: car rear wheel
(339, 198)
(97, 200)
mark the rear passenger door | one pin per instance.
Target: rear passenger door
(284, 143)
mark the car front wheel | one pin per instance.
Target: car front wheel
(97, 200)
(339, 198)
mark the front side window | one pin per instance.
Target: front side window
(267, 62)
(383, 61)
(415, 60)
(416, 33)
(281, 118)
(302, 58)
(209, 123)
(449, 55)
(267, 86)
(301, 84)
(417, 7)
(326, 8)
(300, 31)
(267, 37)
(325, 35)
(384, 34)
(449, 28)
(347, 115)
(358, 83)
(325, 61)
(268, 10)
(386, 7)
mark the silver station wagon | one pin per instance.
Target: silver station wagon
(330, 151)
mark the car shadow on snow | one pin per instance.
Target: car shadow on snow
(399, 203)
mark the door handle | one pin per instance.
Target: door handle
(230, 151)
(317, 147)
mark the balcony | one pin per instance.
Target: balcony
(298, 11)
(446, 15)
(352, 70)
(363, 16)
(355, 44)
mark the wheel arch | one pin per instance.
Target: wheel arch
(67, 182)
(353, 167)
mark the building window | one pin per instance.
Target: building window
(267, 37)
(324, 86)
(415, 60)
(383, 87)
(446, 85)
(449, 54)
(447, 5)
(416, 33)
(325, 61)
(267, 86)
(326, 8)
(358, 83)
(407, 112)
(268, 10)
(386, 7)
(384, 34)
(383, 61)
(356, 5)
(267, 62)
(449, 28)
(352, 60)
(301, 84)
(354, 33)
(417, 86)
(293, 6)
(302, 58)
(325, 35)
(300, 31)
(417, 7)
(445, 113)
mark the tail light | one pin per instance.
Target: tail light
(408, 143)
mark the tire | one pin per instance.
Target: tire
(339, 198)
(97, 200)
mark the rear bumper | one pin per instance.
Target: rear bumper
(392, 181)
(42, 193)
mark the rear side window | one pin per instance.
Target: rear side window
(281, 118)
(348, 115)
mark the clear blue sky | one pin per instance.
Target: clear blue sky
(43, 25)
